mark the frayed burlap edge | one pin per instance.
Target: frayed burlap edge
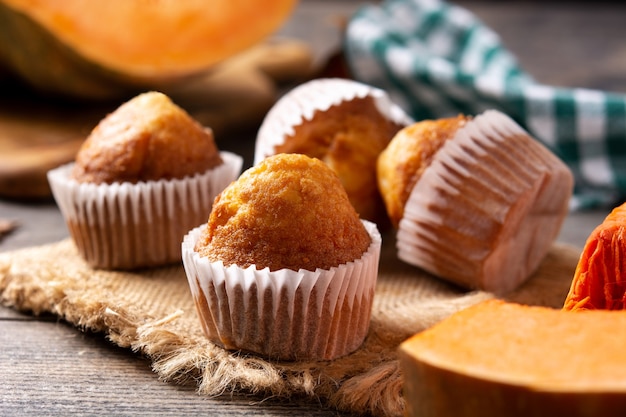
(132, 310)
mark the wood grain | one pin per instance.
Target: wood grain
(53, 369)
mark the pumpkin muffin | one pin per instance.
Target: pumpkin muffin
(146, 139)
(476, 201)
(284, 267)
(406, 158)
(143, 177)
(342, 122)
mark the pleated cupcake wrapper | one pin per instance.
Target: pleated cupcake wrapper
(486, 210)
(302, 102)
(284, 314)
(437, 59)
(127, 226)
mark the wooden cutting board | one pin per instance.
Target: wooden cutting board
(38, 133)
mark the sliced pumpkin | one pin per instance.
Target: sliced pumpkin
(498, 359)
(599, 281)
(106, 48)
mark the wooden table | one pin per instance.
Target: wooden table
(49, 368)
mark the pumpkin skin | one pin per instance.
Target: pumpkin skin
(110, 49)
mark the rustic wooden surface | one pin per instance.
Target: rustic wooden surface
(50, 368)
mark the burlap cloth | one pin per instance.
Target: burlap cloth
(152, 313)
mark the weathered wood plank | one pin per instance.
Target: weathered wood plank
(10, 314)
(51, 368)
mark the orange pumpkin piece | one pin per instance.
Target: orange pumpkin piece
(103, 49)
(502, 359)
(600, 278)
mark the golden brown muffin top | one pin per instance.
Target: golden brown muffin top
(147, 138)
(289, 211)
(348, 137)
(409, 153)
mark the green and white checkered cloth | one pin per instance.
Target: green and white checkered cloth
(436, 59)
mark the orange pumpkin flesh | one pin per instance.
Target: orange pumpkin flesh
(599, 281)
(505, 359)
(157, 37)
(128, 42)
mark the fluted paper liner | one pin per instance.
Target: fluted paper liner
(487, 209)
(302, 102)
(284, 314)
(128, 226)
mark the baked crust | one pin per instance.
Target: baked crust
(289, 211)
(348, 137)
(147, 138)
(409, 153)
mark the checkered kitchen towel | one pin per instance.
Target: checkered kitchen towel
(437, 59)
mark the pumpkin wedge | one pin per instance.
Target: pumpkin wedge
(599, 280)
(498, 359)
(106, 49)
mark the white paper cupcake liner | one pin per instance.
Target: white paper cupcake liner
(487, 209)
(284, 314)
(128, 226)
(302, 102)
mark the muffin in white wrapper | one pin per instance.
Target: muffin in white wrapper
(342, 122)
(486, 210)
(284, 314)
(126, 225)
(301, 104)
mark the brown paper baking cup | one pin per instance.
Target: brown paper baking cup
(302, 102)
(284, 314)
(128, 226)
(487, 209)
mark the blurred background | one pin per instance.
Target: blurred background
(570, 44)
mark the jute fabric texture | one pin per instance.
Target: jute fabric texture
(152, 313)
